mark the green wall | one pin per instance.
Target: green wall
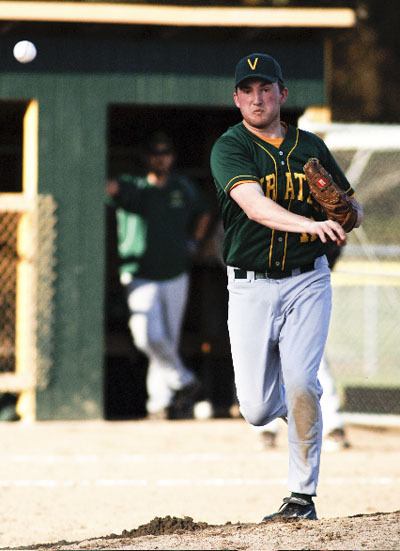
(72, 154)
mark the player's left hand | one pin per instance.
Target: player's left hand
(327, 194)
(328, 230)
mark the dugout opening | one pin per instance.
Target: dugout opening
(204, 339)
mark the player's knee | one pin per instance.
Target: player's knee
(303, 386)
(256, 414)
(303, 405)
(145, 337)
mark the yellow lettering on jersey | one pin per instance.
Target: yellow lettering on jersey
(289, 194)
(308, 237)
(270, 186)
(300, 177)
(253, 64)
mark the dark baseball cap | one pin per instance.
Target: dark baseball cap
(261, 66)
(160, 144)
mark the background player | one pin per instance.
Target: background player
(158, 218)
(278, 274)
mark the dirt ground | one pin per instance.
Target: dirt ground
(187, 485)
(378, 531)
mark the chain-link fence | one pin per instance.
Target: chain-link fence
(46, 276)
(363, 344)
(8, 277)
(27, 275)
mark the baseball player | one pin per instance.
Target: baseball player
(158, 217)
(278, 274)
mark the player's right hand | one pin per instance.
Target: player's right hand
(328, 230)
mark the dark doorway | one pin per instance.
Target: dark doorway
(204, 341)
(11, 135)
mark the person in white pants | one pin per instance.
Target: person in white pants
(278, 275)
(159, 218)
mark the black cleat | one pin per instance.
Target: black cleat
(182, 403)
(294, 507)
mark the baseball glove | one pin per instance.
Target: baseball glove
(334, 201)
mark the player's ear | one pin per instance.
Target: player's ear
(235, 98)
(284, 95)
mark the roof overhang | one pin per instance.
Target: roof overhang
(180, 16)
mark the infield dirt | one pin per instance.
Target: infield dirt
(378, 531)
(187, 485)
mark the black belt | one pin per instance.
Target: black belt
(244, 274)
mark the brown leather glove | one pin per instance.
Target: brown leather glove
(334, 201)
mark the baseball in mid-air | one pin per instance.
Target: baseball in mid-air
(24, 51)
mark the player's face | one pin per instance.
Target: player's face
(161, 162)
(260, 102)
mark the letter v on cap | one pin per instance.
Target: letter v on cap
(254, 64)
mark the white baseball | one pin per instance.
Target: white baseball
(24, 51)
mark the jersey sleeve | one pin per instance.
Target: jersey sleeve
(130, 196)
(231, 165)
(329, 163)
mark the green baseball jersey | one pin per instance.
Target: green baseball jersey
(240, 156)
(154, 225)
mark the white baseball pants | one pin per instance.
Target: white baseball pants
(278, 329)
(157, 309)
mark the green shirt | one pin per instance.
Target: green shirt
(240, 156)
(154, 225)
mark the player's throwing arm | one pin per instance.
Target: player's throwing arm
(263, 210)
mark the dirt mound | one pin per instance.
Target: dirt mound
(378, 531)
(160, 526)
